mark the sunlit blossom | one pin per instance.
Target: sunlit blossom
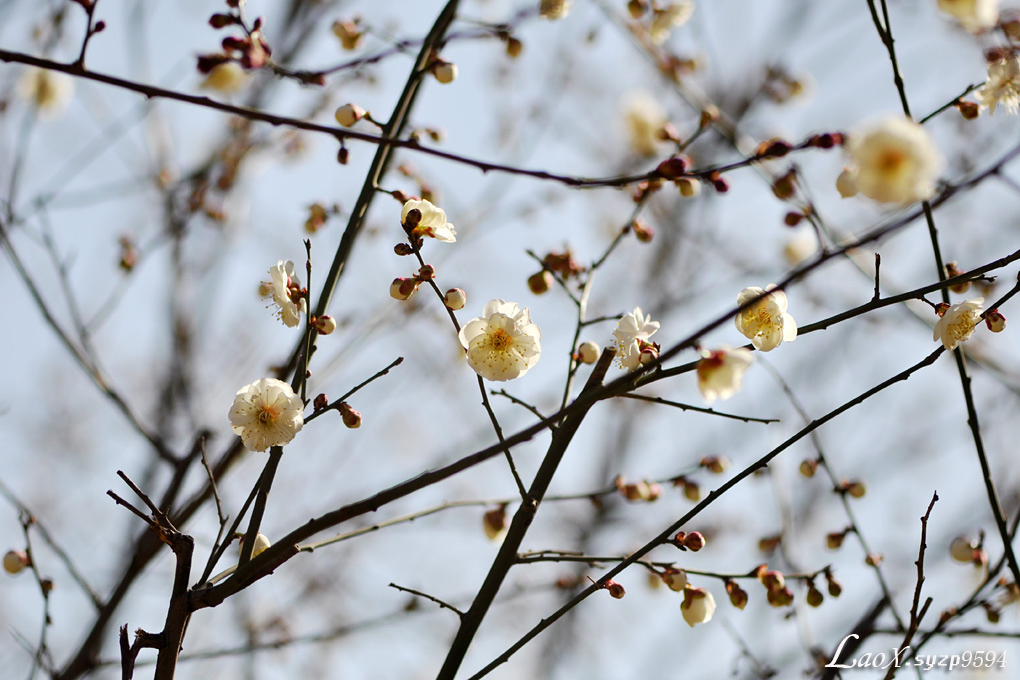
(432, 222)
(632, 337)
(285, 288)
(1002, 86)
(503, 343)
(894, 161)
(958, 323)
(554, 9)
(765, 323)
(266, 413)
(228, 78)
(973, 15)
(645, 117)
(670, 17)
(49, 91)
(721, 372)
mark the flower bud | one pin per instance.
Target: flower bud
(649, 353)
(347, 31)
(991, 613)
(541, 282)
(637, 8)
(320, 402)
(873, 559)
(444, 71)
(773, 580)
(615, 589)
(709, 115)
(855, 488)
(261, 543)
(351, 417)
(643, 232)
(952, 270)
(792, 219)
(834, 540)
(715, 464)
(995, 321)
(835, 588)
(343, 155)
(808, 467)
(738, 596)
(962, 549)
(455, 299)
(689, 187)
(325, 324)
(814, 596)
(514, 47)
(403, 249)
(698, 606)
(402, 289)
(15, 561)
(588, 352)
(969, 110)
(692, 491)
(349, 114)
(783, 187)
(494, 522)
(675, 579)
(674, 167)
(694, 541)
(780, 597)
(845, 184)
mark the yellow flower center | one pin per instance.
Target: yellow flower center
(501, 341)
(891, 161)
(268, 414)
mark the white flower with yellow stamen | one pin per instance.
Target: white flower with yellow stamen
(894, 161)
(765, 323)
(432, 222)
(266, 413)
(632, 333)
(285, 288)
(958, 323)
(503, 343)
(1002, 86)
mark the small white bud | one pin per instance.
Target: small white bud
(588, 352)
(455, 299)
(349, 114)
(445, 72)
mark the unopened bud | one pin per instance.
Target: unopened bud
(738, 596)
(636, 8)
(649, 353)
(320, 402)
(426, 272)
(834, 540)
(995, 321)
(643, 232)
(343, 155)
(514, 47)
(349, 114)
(455, 299)
(709, 115)
(814, 596)
(325, 324)
(351, 417)
(588, 352)
(792, 219)
(674, 167)
(494, 522)
(780, 597)
(403, 249)
(845, 184)
(615, 589)
(962, 549)
(855, 488)
(952, 270)
(541, 282)
(808, 467)
(402, 289)
(715, 464)
(347, 31)
(835, 588)
(784, 188)
(689, 187)
(260, 545)
(969, 110)
(773, 580)
(445, 72)
(675, 579)
(991, 613)
(692, 491)
(15, 561)
(694, 541)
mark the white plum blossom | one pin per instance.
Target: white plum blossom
(721, 371)
(645, 117)
(432, 223)
(1002, 86)
(285, 288)
(266, 413)
(261, 544)
(894, 161)
(503, 343)
(554, 9)
(698, 606)
(49, 91)
(973, 15)
(765, 323)
(668, 18)
(632, 333)
(958, 323)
